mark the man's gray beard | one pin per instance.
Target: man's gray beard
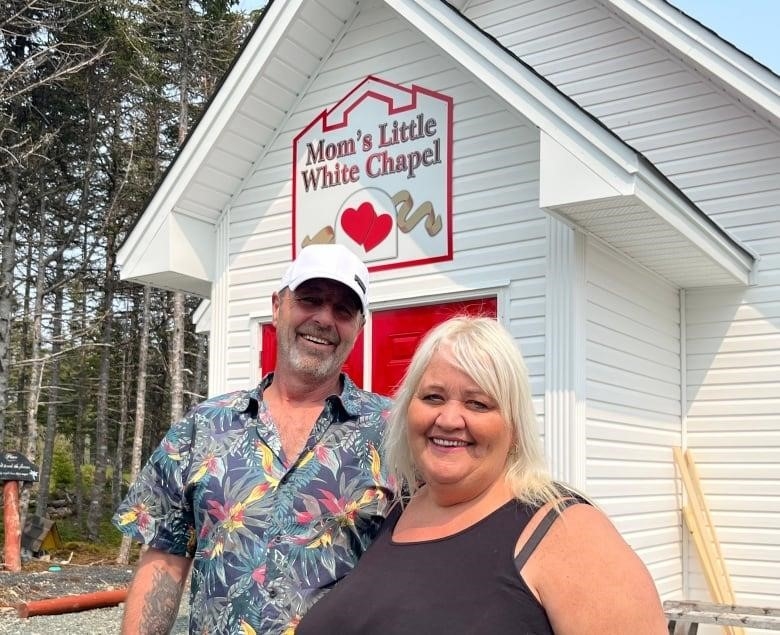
(317, 368)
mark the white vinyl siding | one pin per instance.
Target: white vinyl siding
(733, 422)
(632, 371)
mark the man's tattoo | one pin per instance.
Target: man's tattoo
(161, 605)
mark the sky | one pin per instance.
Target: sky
(750, 25)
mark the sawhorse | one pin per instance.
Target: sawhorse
(692, 614)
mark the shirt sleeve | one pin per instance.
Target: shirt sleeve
(156, 511)
(376, 502)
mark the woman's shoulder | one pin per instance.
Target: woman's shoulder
(583, 563)
(571, 526)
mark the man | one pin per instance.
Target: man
(275, 492)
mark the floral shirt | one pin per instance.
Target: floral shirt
(269, 534)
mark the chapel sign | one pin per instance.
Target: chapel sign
(374, 173)
(17, 467)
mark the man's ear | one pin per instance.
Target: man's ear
(276, 300)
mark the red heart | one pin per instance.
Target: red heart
(378, 231)
(364, 226)
(357, 222)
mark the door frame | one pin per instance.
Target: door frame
(500, 292)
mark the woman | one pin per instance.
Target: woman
(487, 543)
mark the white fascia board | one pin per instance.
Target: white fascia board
(518, 86)
(750, 79)
(213, 123)
(683, 216)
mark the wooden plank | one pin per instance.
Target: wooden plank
(694, 518)
(696, 524)
(720, 562)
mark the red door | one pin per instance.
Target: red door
(396, 333)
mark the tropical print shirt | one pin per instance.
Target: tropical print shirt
(269, 534)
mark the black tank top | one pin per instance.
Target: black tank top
(463, 584)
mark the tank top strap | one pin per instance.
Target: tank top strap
(541, 530)
(393, 515)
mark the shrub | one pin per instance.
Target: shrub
(63, 472)
(87, 477)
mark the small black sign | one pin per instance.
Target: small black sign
(16, 467)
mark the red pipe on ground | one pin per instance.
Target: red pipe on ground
(72, 603)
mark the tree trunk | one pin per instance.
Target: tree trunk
(177, 339)
(54, 397)
(198, 392)
(96, 502)
(140, 410)
(78, 432)
(24, 351)
(116, 481)
(78, 459)
(177, 357)
(36, 361)
(8, 219)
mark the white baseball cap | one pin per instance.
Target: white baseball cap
(331, 261)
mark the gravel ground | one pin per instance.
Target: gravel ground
(70, 580)
(94, 622)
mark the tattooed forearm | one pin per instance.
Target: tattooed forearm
(161, 604)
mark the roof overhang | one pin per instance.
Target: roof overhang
(178, 254)
(645, 219)
(588, 176)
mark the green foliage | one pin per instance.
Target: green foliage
(109, 535)
(63, 471)
(87, 477)
(90, 123)
(70, 532)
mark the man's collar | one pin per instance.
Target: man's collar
(347, 401)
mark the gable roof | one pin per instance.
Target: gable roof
(725, 64)
(173, 243)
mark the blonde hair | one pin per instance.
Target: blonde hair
(487, 353)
